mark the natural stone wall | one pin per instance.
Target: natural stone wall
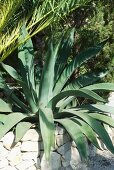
(28, 153)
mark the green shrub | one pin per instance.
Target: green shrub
(47, 95)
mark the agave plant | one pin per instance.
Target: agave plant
(36, 14)
(46, 94)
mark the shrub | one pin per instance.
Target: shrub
(47, 95)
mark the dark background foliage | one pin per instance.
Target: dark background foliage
(93, 23)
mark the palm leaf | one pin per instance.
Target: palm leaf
(44, 14)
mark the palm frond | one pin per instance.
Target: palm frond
(7, 10)
(40, 15)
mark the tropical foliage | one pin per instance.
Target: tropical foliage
(48, 96)
(94, 23)
(36, 14)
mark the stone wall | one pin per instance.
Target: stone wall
(28, 153)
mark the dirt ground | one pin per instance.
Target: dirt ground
(103, 160)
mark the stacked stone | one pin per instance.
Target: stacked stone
(23, 156)
(28, 154)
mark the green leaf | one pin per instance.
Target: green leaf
(75, 63)
(64, 102)
(64, 52)
(5, 107)
(85, 80)
(78, 93)
(11, 71)
(10, 94)
(76, 134)
(26, 57)
(9, 121)
(47, 130)
(26, 66)
(88, 131)
(3, 84)
(101, 86)
(104, 118)
(98, 107)
(21, 129)
(47, 80)
(96, 126)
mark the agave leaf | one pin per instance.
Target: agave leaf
(64, 52)
(12, 72)
(47, 80)
(88, 131)
(9, 93)
(75, 63)
(9, 121)
(21, 129)
(47, 130)
(85, 80)
(76, 134)
(78, 93)
(64, 102)
(104, 118)
(5, 107)
(3, 84)
(98, 107)
(26, 58)
(96, 126)
(38, 72)
(101, 86)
